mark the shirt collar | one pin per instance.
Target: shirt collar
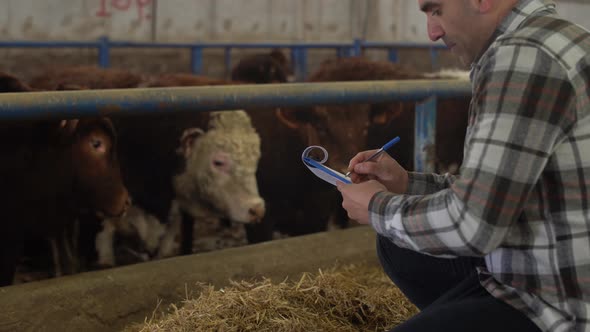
(521, 11)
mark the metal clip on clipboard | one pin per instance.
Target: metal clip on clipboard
(319, 169)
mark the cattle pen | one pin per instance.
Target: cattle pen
(299, 51)
(111, 299)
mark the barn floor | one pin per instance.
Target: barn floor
(108, 300)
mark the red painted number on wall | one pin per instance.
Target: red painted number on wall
(107, 7)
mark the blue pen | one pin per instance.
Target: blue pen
(380, 151)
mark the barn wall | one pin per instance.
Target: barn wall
(224, 20)
(213, 21)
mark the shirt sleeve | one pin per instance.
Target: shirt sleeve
(523, 104)
(428, 183)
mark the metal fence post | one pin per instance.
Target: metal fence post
(104, 52)
(392, 55)
(425, 136)
(434, 58)
(227, 61)
(197, 60)
(357, 48)
(299, 55)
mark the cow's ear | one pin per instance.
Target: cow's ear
(57, 132)
(187, 139)
(292, 118)
(67, 128)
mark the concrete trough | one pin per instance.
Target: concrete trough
(108, 300)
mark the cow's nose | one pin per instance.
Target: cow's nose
(256, 212)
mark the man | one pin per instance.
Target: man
(506, 245)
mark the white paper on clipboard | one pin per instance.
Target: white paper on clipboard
(319, 169)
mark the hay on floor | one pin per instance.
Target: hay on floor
(350, 298)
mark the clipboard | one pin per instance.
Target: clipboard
(320, 170)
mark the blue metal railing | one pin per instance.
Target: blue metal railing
(115, 102)
(299, 51)
(85, 103)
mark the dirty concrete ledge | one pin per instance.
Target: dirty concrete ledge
(108, 300)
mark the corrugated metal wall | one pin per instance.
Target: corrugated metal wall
(224, 20)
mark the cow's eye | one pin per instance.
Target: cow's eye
(221, 162)
(96, 143)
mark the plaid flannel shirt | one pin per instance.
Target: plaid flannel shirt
(522, 199)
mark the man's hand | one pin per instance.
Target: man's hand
(356, 198)
(383, 169)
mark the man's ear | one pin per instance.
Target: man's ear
(485, 6)
(482, 6)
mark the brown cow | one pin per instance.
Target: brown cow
(89, 77)
(342, 130)
(345, 130)
(51, 171)
(270, 67)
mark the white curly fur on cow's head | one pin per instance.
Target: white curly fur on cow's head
(220, 174)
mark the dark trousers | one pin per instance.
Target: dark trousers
(448, 293)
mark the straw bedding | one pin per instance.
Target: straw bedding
(344, 298)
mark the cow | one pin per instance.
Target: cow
(88, 77)
(280, 174)
(201, 164)
(51, 173)
(244, 136)
(342, 130)
(371, 125)
(132, 238)
(451, 123)
(208, 175)
(345, 130)
(272, 67)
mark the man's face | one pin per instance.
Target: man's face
(457, 23)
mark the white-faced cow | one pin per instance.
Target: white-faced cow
(281, 177)
(217, 180)
(209, 173)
